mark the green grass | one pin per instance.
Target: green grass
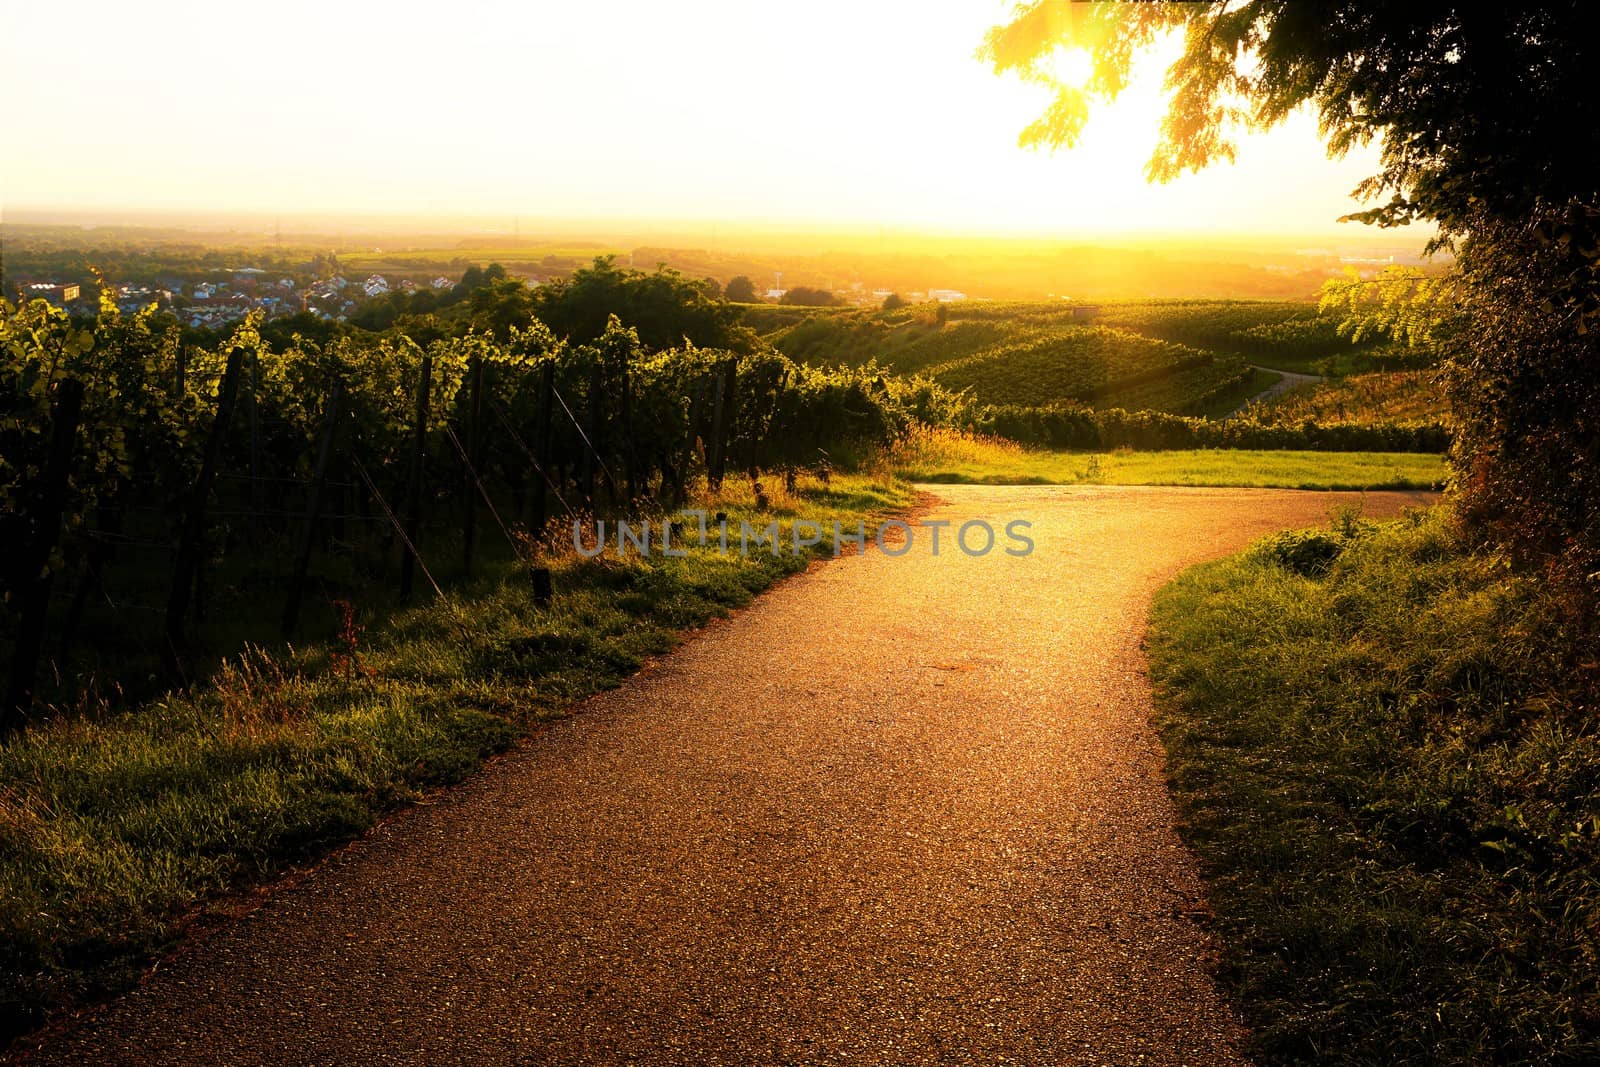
(118, 828)
(946, 457)
(1396, 805)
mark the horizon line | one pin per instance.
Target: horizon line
(532, 226)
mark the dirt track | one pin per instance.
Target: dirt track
(899, 811)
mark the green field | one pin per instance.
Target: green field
(951, 458)
(1188, 357)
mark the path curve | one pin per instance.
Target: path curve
(1288, 380)
(898, 811)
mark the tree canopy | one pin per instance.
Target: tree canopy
(806, 296)
(1480, 108)
(740, 290)
(665, 307)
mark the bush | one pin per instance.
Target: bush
(1308, 553)
(1083, 428)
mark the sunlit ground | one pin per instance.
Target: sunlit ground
(941, 456)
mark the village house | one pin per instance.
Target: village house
(58, 293)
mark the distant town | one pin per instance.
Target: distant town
(234, 293)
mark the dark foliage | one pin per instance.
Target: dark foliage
(1525, 383)
(665, 308)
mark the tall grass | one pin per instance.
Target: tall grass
(1394, 787)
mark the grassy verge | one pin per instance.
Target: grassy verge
(946, 457)
(115, 830)
(1397, 806)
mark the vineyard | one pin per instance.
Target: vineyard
(1094, 365)
(1028, 354)
(169, 498)
(157, 491)
(1181, 357)
(1406, 396)
(1283, 335)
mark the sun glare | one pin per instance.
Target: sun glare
(907, 129)
(1071, 67)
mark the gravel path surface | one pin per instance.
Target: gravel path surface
(899, 811)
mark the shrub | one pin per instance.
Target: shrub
(1308, 553)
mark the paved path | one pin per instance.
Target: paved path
(1288, 380)
(899, 811)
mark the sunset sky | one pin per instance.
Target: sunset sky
(824, 113)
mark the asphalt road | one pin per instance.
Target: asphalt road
(901, 810)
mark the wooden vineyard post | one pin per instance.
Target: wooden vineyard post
(542, 445)
(722, 418)
(469, 495)
(255, 448)
(730, 418)
(681, 473)
(775, 430)
(108, 521)
(597, 427)
(419, 441)
(764, 423)
(543, 590)
(713, 446)
(33, 568)
(319, 479)
(187, 564)
(630, 464)
(591, 455)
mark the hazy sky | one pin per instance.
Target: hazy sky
(836, 111)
